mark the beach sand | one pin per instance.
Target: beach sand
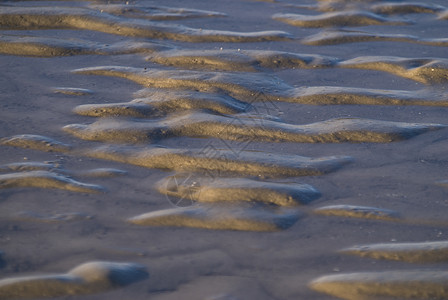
(129, 130)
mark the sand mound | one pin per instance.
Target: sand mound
(263, 87)
(353, 211)
(380, 285)
(220, 218)
(36, 18)
(236, 189)
(47, 180)
(334, 37)
(340, 18)
(88, 278)
(36, 142)
(426, 252)
(241, 128)
(222, 161)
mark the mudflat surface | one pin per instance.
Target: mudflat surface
(144, 138)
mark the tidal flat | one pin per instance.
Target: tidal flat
(241, 149)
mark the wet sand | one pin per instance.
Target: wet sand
(223, 150)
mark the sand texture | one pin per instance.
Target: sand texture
(238, 149)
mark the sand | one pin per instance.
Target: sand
(235, 149)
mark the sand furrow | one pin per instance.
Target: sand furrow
(353, 211)
(210, 159)
(46, 179)
(72, 91)
(206, 189)
(425, 252)
(339, 18)
(335, 37)
(263, 87)
(242, 128)
(218, 217)
(88, 278)
(55, 218)
(418, 284)
(36, 18)
(29, 166)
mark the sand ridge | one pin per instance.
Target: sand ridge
(341, 18)
(46, 179)
(155, 13)
(258, 87)
(423, 252)
(50, 47)
(353, 211)
(416, 284)
(36, 18)
(205, 189)
(220, 217)
(88, 278)
(239, 127)
(334, 37)
(222, 161)
(160, 102)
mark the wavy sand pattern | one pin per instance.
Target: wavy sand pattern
(237, 101)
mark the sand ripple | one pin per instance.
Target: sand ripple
(36, 142)
(263, 87)
(353, 211)
(340, 18)
(220, 217)
(237, 189)
(88, 278)
(225, 161)
(333, 37)
(418, 284)
(160, 102)
(50, 47)
(242, 128)
(46, 179)
(157, 13)
(35, 18)
(426, 252)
